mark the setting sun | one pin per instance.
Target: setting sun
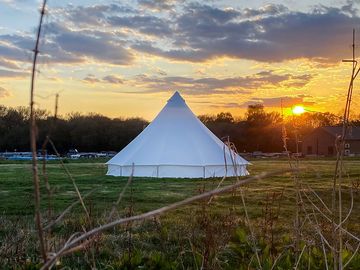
(298, 110)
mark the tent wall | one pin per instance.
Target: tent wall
(169, 171)
(177, 144)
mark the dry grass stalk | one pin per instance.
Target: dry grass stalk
(233, 153)
(277, 259)
(319, 232)
(72, 180)
(319, 198)
(350, 209)
(340, 149)
(218, 186)
(33, 131)
(121, 195)
(299, 258)
(95, 231)
(322, 238)
(296, 182)
(67, 210)
(43, 151)
(352, 256)
(330, 219)
(225, 162)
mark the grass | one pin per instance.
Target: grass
(148, 193)
(274, 196)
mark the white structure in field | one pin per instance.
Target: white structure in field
(177, 144)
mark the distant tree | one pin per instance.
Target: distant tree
(263, 129)
(257, 131)
(224, 117)
(207, 119)
(92, 132)
(311, 120)
(255, 114)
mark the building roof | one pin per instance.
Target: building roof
(353, 132)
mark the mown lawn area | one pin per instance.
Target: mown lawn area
(16, 189)
(270, 203)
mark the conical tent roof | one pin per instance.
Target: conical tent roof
(176, 144)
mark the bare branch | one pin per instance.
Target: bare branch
(317, 196)
(329, 219)
(298, 261)
(43, 151)
(67, 210)
(72, 180)
(350, 210)
(218, 186)
(233, 152)
(352, 256)
(33, 140)
(323, 239)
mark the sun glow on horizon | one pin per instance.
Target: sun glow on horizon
(298, 110)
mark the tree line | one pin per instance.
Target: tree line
(257, 130)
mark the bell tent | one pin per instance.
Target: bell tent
(176, 144)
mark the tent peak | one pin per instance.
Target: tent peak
(176, 99)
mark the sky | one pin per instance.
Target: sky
(126, 58)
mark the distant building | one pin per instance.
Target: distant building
(321, 141)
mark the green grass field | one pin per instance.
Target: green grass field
(270, 203)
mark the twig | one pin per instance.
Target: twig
(317, 227)
(323, 239)
(33, 140)
(158, 211)
(329, 219)
(72, 180)
(193, 253)
(295, 178)
(298, 260)
(277, 258)
(350, 210)
(352, 256)
(250, 228)
(218, 186)
(233, 152)
(317, 196)
(67, 210)
(340, 148)
(43, 150)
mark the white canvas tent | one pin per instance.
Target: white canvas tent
(177, 144)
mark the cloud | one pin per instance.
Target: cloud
(90, 78)
(268, 9)
(108, 33)
(63, 45)
(285, 101)
(8, 64)
(12, 74)
(150, 25)
(94, 47)
(94, 15)
(113, 79)
(275, 35)
(157, 5)
(4, 92)
(11, 52)
(208, 85)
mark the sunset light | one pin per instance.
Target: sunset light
(298, 110)
(206, 51)
(191, 105)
